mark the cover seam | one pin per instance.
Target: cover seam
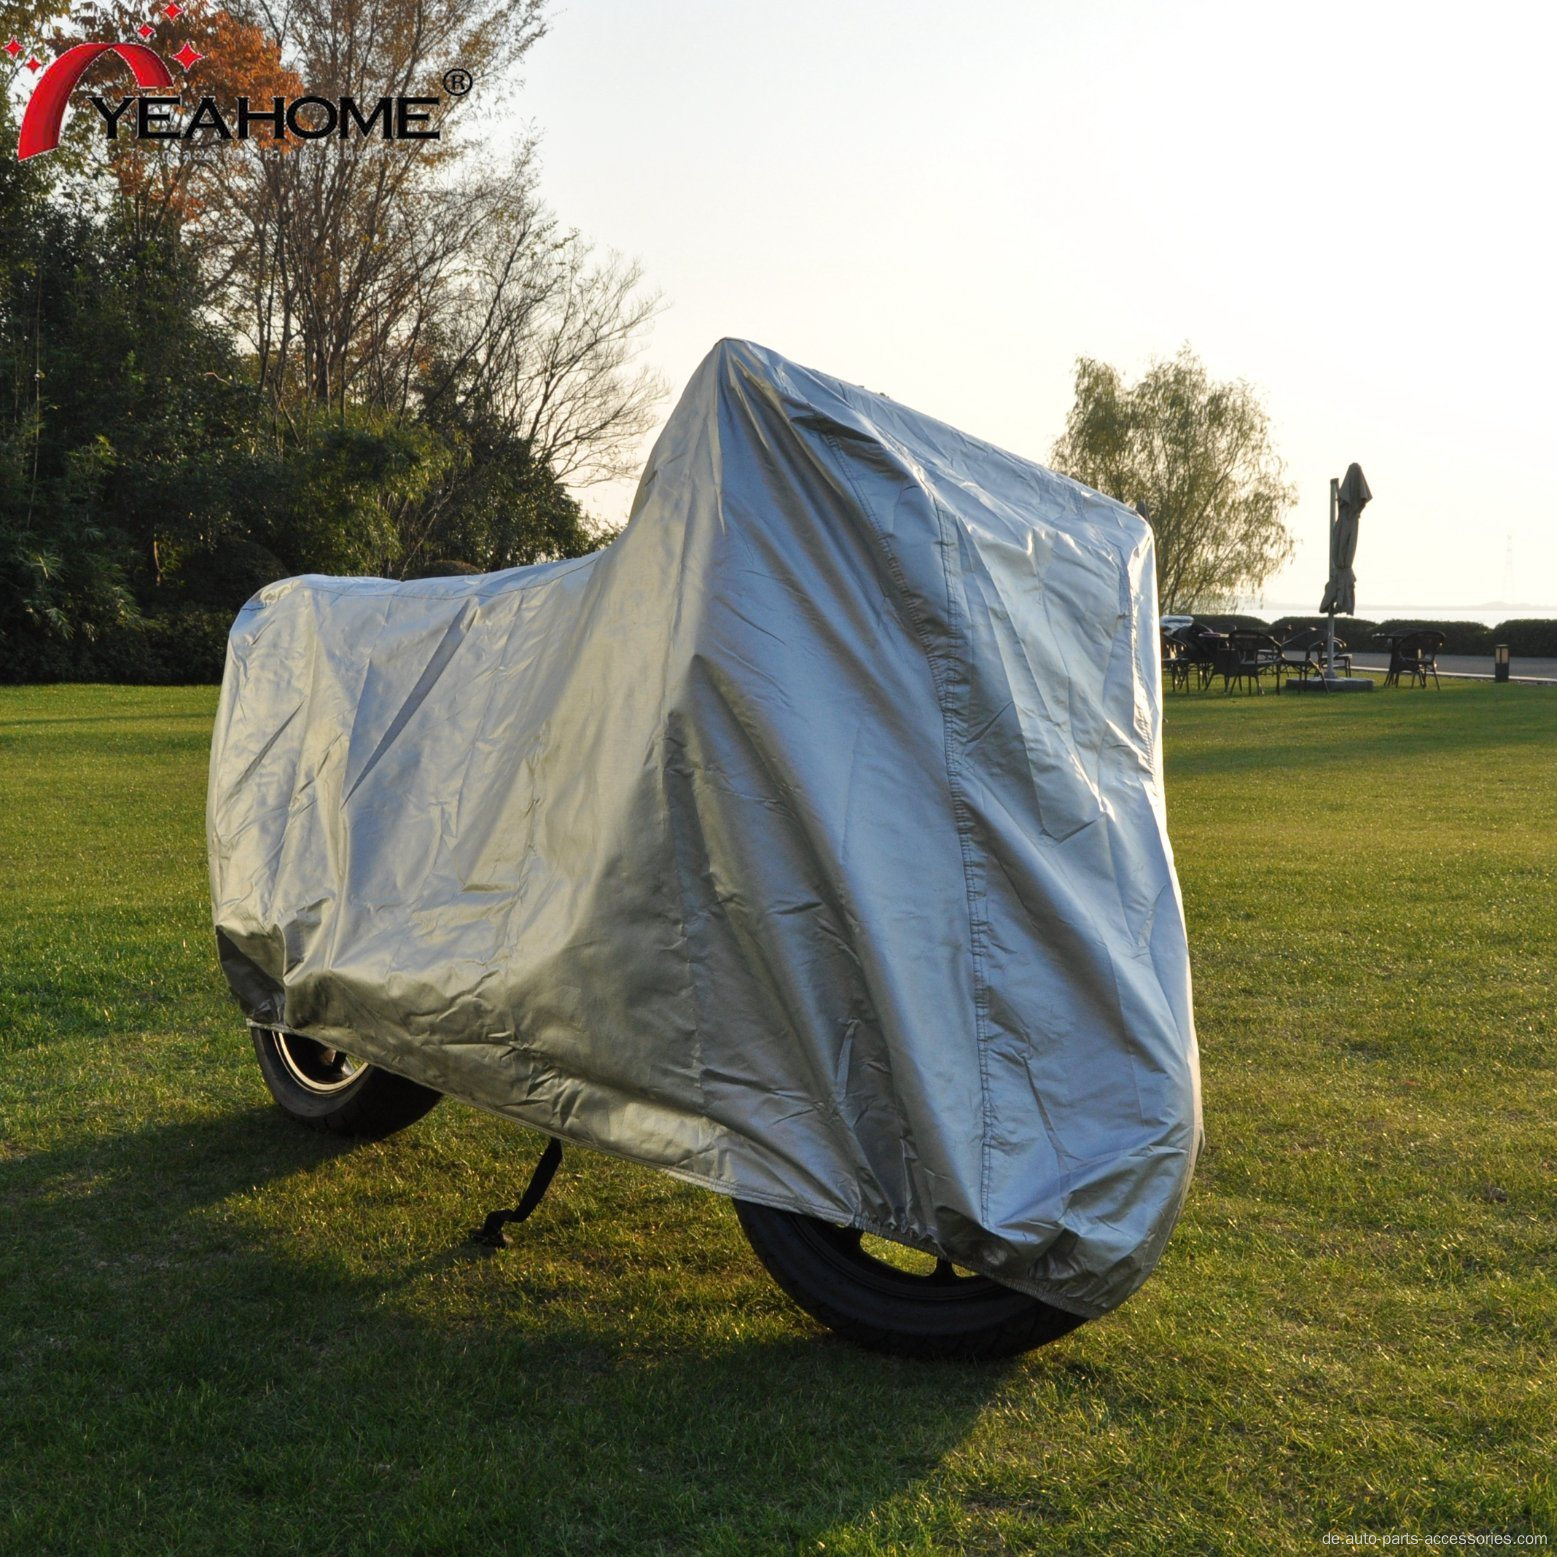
(962, 815)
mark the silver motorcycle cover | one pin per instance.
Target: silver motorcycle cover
(807, 842)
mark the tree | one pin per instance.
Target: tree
(164, 186)
(129, 400)
(125, 426)
(221, 362)
(331, 259)
(496, 504)
(426, 282)
(1197, 455)
(534, 332)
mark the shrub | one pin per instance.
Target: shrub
(223, 576)
(177, 648)
(1229, 622)
(1356, 632)
(1458, 637)
(187, 647)
(1535, 637)
(1531, 636)
(30, 657)
(447, 568)
(124, 653)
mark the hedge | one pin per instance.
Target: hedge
(1356, 632)
(180, 648)
(1531, 636)
(190, 646)
(1458, 637)
(1226, 622)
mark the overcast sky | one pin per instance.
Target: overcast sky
(1350, 206)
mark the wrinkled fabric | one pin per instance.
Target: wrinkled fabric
(807, 842)
(1351, 496)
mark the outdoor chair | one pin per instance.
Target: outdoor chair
(1247, 656)
(1414, 656)
(1303, 655)
(1176, 662)
(1203, 647)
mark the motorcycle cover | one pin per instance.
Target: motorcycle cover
(807, 842)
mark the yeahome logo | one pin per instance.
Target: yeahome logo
(148, 117)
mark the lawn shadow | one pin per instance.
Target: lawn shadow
(1402, 726)
(12, 722)
(179, 1369)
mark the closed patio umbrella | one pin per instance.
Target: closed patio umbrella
(1349, 500)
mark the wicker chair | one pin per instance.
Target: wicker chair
(1414, 656)
(1304, 654)
(1247, 656)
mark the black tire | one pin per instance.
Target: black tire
(832, 1273)
(328, 1090)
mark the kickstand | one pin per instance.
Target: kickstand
(491, 1231)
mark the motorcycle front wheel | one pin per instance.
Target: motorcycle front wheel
(889, 1298)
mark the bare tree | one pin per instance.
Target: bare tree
(324, 254)
(528, 352)
(547, 339)
(394, 274)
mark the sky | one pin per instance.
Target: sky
(1348, 206)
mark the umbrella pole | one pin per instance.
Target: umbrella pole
(1335, 487)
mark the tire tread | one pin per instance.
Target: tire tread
(1010, 1323)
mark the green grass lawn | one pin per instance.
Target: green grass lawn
(219, 1333)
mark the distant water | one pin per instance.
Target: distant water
(1489, 614)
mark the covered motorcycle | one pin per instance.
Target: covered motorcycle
(807, 843)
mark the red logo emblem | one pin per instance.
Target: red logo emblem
(46, 109)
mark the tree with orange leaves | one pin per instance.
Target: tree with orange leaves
(173, 183)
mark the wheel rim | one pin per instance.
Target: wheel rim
(313, 1067)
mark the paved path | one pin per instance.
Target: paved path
(1477, 666)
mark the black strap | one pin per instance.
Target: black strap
(491, 1231)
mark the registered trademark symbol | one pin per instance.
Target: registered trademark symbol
(457, 82)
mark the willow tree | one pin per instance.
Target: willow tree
(1195, 456)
